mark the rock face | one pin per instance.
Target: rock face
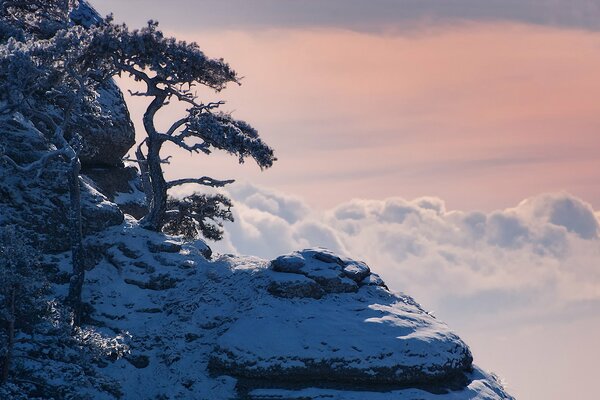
(104, 143)
(339, 330)
(39, 203)
(121, 185)
(216, 329)
(107, 143)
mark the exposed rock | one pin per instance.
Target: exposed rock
(374, 280)
(107, 143)
(127, 252)
(120, 185)
(111, 181)
(331, 272)
(200, 246)
(140, 361)
(357, 271)
(292, 263)
(164, 247)
(156, 282)
(38, 201)
(104, 143)
(325, 256)
(98, 213)
(293, 285)
(475, 385)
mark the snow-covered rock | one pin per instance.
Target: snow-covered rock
(214, 329)
(104, 143)
(107, 143)
(349, 334)
(122, 186)
(38, 201)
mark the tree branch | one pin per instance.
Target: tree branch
(137, 93)
(191, 99)
(36, 165)
(176, 126)
(205, 181)
(179, 140)
(139, 75)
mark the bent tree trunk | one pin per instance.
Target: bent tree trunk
(11, 340)
(158, 204)
(144, 174)
(76, 237)
(154, 220)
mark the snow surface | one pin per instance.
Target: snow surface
(365, 334)
(175, 308)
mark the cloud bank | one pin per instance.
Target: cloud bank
(536, 259)
(521, 285)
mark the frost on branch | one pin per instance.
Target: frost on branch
(236, 137)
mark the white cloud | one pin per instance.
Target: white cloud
(517, 284)
(542, 254)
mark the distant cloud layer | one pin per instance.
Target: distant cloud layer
(540, 255)
(369, 16)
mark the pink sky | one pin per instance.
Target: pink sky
(481, 115)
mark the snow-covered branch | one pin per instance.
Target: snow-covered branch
(37, 165)
(205, 181)
(179, 140)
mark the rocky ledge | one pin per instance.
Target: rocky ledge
(330, 319)
(308, 325)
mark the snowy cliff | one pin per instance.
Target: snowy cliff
(165, 318)
(310, 325)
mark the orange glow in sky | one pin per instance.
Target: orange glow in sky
(481, 115)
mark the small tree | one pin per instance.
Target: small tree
(21, 290)
(45, 82)
(170, 70)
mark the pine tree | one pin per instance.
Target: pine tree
(171, 70)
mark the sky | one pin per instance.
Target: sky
(452, 145)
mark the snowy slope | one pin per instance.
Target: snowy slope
(210, 329)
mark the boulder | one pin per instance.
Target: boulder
(166, 246)
(106, 143)
(364, 335)
(97, 212)
(331, 272)
(357, 271)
